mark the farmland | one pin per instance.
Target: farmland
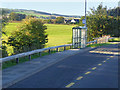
(34, 14)
(58, 34)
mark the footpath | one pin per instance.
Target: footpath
(21, 71)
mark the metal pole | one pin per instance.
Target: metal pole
(85, 23)
(85, 13)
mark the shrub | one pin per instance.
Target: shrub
(30, 35)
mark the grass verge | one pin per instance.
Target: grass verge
(26, 58)
(115, 40)
(100, 44)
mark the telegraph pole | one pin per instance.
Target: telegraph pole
(85, 13)
(86, 23)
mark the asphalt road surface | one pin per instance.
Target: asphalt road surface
(97, 68)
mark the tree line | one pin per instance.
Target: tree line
(16, 16)
(100, 22)
(19, 17)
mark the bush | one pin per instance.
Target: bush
(16, 16)
(30, 35)
(59, 20)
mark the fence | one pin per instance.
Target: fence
(16, 57)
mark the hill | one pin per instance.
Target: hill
(38, 14)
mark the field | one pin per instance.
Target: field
(57, 34)
(34, 14)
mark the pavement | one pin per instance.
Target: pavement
(21, 71)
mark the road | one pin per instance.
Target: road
(97, 68)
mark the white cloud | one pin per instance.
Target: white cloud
(59, 0)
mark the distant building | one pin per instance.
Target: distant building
(68, 21)
(75, 20)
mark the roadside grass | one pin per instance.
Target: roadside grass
(100, 44)
(115, 40)
(34, 56)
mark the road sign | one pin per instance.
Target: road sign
(83, 21)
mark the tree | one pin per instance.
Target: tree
(16, 16)
(30, 16)
(114, 12)
(99, 23)
(30, 35)
(60, 20)
(3, 23)
(49, 21)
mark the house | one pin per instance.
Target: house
(75, 21)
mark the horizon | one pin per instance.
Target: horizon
(63, 8)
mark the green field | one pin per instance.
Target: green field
(57, 34)
(34, 14)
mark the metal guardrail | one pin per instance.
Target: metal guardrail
(111, 38)
(100, 41)
(17, 56)
(95, 41)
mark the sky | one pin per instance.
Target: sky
(65, 7)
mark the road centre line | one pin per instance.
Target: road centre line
(100, 64)
(104, 61)
(111, 56)
(69, 85)
(88, 72)
(79, 78)
(94, 68)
